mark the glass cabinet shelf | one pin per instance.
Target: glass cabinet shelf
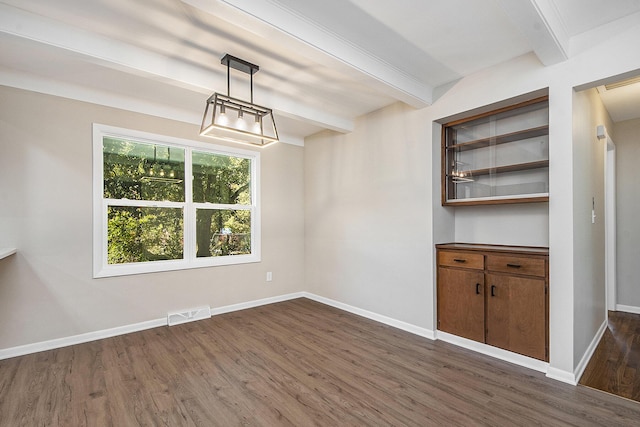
(497, 157)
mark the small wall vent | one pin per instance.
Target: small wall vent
(191, 315)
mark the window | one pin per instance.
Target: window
(163, 203)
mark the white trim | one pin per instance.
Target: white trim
(561, 375)
(5, 252)
(256, 303)
(498, 353)
(515, 196)
(423, 332)
(79, 339)
(628, 308)
(100, 266)
(127, 329)
(590, 350)
(609, 217)
(527, 362)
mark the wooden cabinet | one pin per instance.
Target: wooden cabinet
(497, 157)
(496, 295)
(461, 303)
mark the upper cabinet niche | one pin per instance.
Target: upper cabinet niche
(497, 157)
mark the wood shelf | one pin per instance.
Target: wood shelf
(492, 200)
(510, 168)
(501, 139)
(6, 252)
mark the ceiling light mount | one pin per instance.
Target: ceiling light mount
(224, 116)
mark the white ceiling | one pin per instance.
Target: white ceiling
(322, 63)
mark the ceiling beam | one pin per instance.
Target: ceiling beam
(285, 27)
(109, 53)
(541, 24)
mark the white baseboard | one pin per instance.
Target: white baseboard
(628, 308)
(255, 303)
(561, 375)
(589, 352)
(498, 353)
(127, 329)
(79, 339)
(417, 330)
(517, 359)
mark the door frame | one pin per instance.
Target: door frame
(609, 217)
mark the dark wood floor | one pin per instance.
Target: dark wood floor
(615, 365)
(293, 363)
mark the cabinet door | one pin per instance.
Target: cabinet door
(461, 303)
(516, 318)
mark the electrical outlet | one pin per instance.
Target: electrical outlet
(269, 276)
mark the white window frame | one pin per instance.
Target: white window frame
(101, 268)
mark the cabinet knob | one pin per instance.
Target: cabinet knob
(477, 288)
(459, 260)
(493, 290)
(514, 265)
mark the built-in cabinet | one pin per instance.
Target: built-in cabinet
(497, 295)
(501, 156)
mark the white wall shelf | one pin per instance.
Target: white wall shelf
(5, 252)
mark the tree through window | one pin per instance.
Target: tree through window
(166, 204)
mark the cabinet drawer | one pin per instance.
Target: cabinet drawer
(461, 259)
(516, 265)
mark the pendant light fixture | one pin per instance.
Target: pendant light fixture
(236, 120)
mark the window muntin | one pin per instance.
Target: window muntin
(163, 203)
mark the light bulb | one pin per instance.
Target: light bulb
(257, 128)
(222, 118)
(241, 123)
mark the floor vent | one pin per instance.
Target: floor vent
(193, 314)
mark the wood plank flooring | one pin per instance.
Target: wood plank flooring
(615, 365)
(295, 363)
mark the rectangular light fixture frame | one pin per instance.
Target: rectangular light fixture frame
(235, 120)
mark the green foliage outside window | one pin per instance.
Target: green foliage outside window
(144, 234)
(222, 180)
(135, 171)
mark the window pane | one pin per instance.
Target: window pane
(139, 234)
(138, 171)
(221, 179)
(223, 232)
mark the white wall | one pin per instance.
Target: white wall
(589, 238)
(47, 290)
(525, 224)
(627, 140)
(367, 230)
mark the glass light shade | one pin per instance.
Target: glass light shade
(235, 120)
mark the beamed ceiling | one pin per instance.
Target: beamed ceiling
(322, 64)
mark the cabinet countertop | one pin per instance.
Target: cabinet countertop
(527, 250)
